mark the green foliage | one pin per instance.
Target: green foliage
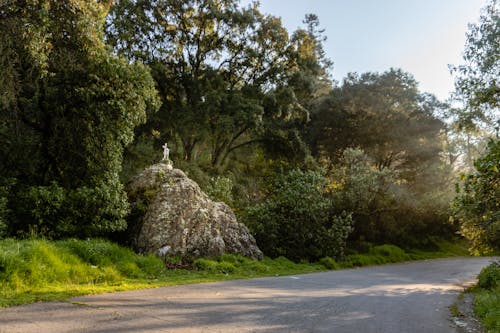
(393, 252)
(4, 210)
(477, 78)
(477, 205)
(103, 253)
(329, 263)
(72, 110)
(357, 185)
(487, 307)
(297, 218)
(220, 189)
(378, 255)
(487, 297)
(381, 141)
(213, 63)
(385, 115)
(386, 209)
(489, 277)
(35, 263)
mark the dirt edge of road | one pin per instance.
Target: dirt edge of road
(462, 313)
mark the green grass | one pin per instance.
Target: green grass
(40, 270)
(441, 249)
(487, 297)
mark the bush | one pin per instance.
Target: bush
(53, 211)
(489, 278)
(487, 297)
(297, 219)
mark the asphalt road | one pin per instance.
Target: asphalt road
(408, 297)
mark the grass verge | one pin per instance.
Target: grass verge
(41, 270)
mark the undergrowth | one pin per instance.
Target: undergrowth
(41, 270)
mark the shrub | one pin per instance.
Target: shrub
(489, 278)
(487, 297)
(297, 218)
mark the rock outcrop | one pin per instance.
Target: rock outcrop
(180, 219)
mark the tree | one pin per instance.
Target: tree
(213, 62)
(66, 116)
(383, 114)
(477, 79)
(311, 79)
(361, 188)
(477, 205)
(382, 143)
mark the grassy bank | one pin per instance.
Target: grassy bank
(487, 297)
(41, 270)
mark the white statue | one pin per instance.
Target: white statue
(166, 156)
(166, 153)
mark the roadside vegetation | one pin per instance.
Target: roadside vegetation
(41, 270)
(487, 297)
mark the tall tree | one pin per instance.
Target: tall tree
(66, 116)
(477, 202)
(385, 115)
(477, 78)
(213, 62)
(311, 79)
(477, 205)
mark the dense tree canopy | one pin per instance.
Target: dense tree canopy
(212, 60)
(385, 115)
(229, 76)
(68, 109)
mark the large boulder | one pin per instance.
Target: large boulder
(180, 219)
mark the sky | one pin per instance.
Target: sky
(419, 36)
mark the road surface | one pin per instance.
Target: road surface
(407, 297)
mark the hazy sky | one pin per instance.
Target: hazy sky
(419, 36)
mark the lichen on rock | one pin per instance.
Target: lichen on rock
(179, 217)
